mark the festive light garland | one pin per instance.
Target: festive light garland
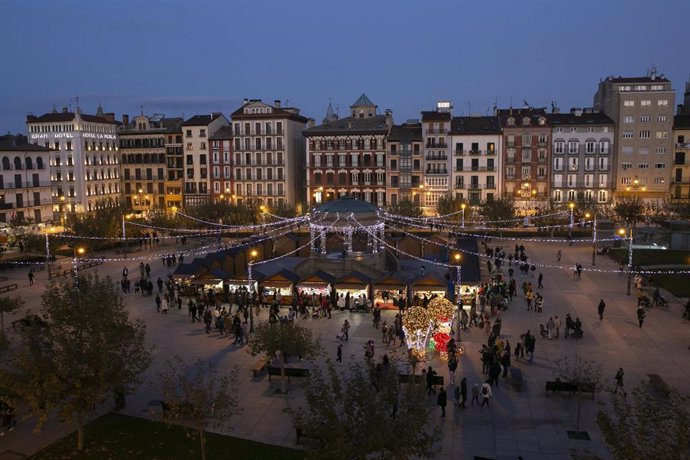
(416, 324)
(453, 227)
(244, 227)
(435, 219)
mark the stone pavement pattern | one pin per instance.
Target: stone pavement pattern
(526, 423)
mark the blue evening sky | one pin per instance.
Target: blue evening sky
(196, 56)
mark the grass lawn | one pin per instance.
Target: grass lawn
(675, 284)
(652, 256)
(116, 436)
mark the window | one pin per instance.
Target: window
(571, 180)
(590, 146)
(643, 166)
(189, 133)
(662, 134)
(541, 172)
(526, 172)
(627, 149)
(603, 180)
(604, 146)
(646, 103)
(557, 196)
(659, 180)
(662, 102)
(629, 103)
(589, 164)
(645, 118)
(628, 134)
(572, 164)
(657, 87)
(628, 119)
(625, 166)
(645, 134)
(659, 165)
(573, 147)
(661, 150)
(559, 147)
(640, 87)
(526, 156)
(589, 180)
(602, 196)
(558, 164)
(603, 164)
(558, 180)
(660, 119)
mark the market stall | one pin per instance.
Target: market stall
(356, 284)
(241, 282)
(389, 291)
(282, 283)
(428, 285)
(319, 282)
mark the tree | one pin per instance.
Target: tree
(197, 397)
(647, 424)
(450, 205)
(365, 413)
(584, 374)
(498, 209)
(9, 305)
(406, 208)
(281, 340)
(81, 350)
(629, 209)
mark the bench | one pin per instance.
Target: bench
(289, 372)
(407, 378)
(260, 364)
(571, 388)
(9, 287)
(3, 278)
(658, 384)
(516, 378)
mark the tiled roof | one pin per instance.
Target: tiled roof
(363, 101)
(406, 132)
(475, 125)
(435, 115)
(225, 132)
(591, 118)
(198, 120)
(66, 116)
(375, 124)
(681, 122)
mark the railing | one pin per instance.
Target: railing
(30, 184)
(437, 131)
(435, 158)
(437, 172)
(475, 152)
(682, 181)
(26, 204)
(475, 169)
(433, 145)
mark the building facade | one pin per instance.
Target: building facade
(404, 163)
(583, 143)
(268, 150)
(476, 146)
(174, 157)
(435, 135)
(680, 175)
(348, 156)
(25, 187)
(642, 109)
(143, 161)
(197, 132)
(84, 166)
(220, 169)
(526, 157)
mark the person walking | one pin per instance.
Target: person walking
(550, 326)
(463, 392)
(31, 277)
(346, 329)
(339, 353)
(619, 382)
(539, 280)
(486, 395)
(558, 256)
(442, 401)
(452, 367)
(558, 323)
(601, 308)
(430, 381)
(641, 314)
(475, 394)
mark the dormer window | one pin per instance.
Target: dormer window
(542, 121)
(511, 121)
(525, 121)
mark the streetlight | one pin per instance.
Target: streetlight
(124, 235)
(458, 290)
(462, 208)
(572, 207)
(621, 232)
(594, 236)
(75, 261)
(254, 253)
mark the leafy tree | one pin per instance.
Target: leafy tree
(81, 350)
(197, 397)
(647, 424)
(406, 208)
(629, 209)
(365, 413)
(584, 374)
(449, 204)
(284, 339)
(498, 209)
(9, 305)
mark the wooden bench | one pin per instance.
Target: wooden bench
(9, 287)
(407, 378)
(260, 365)
(289, 372)
(516, 378)
(659, 384)
(571, 388)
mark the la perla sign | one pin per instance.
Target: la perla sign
(98, 136)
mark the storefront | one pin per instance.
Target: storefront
(356, 284)
(388, 292)
(241, 282)
(282, 282)
(317, 283)
(428, 285)
(467, 294)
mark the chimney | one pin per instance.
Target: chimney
(64, 110)
(389, 118)
(215, 115)
(246, 100)
(276, 103)
(577, 111)
(110, 116)
(125, 119)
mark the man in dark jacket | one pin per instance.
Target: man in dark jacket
(601, 308)
(442, 400)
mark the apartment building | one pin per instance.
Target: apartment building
(25, 187)
(582, 157)
(680, 175)
(143, 161)
(348, 156)
(269, 151)
(404, 163)
(476, 147)
(435, 135)
(197, 132)
(525, 158)
(174, 157)
(220, 169)
(84, 163)
(642, 109)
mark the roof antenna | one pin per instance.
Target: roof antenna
(142, 109)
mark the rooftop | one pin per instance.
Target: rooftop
(475, 125)
(346, 205)
(681, 122)
(585, 118)
(406, 132)
(57, 117)
(375, 124)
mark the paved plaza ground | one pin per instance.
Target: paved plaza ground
(526, 423)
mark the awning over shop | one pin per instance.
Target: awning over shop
(283, 278)
(353, 280)
(318, 277)
(391, 282)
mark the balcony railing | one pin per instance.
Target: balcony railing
(475, 186)
(475, 152)
(436, 157)
(475, 169)
(438, 145)
(441, 172)
(13, 185)
(436, 131)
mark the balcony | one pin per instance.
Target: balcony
(435, 158)
(12, 185)
(475, 152)
(436, 172)
(491, 152)
(436, 131)
(682, 181)
(440, 145)
(475, 169)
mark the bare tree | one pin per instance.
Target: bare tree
(584, 374)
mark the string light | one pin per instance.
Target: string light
(295, 220)
(437, 219)
(454, 227)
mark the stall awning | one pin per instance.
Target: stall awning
(318, 277)
(390, 282)
(283, 278)
(242, 278)
(188, 270)
(430, 280)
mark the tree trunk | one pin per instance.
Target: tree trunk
(283, 387)
(2, 321)
(80, 436)
(203, 444)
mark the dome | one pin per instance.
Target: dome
(347, 205)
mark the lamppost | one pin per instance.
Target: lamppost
(75, 262)
(621, 232)
(254, 253)
(125, 243)
(594, 236)
(458, 286)
(462, 208)
(634, 187)
(572, 207)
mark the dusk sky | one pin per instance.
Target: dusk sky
(189, 57)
